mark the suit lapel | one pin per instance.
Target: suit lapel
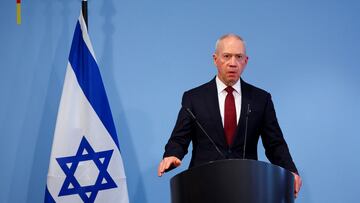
(213, 108)
(245, 100)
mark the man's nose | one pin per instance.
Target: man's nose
(233, 61)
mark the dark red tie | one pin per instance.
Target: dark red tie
(229, 116)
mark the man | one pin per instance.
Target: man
(221, 107)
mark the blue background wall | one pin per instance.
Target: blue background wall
(306, 53)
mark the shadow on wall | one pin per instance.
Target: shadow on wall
(132, 169)
(32, 155)
(42, 147)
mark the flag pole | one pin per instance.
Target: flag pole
(85, 12)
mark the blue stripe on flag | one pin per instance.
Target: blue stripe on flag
(48, 198)
(89, 78)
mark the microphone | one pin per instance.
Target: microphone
(248, 111)
(202, 129)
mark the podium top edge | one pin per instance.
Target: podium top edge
(228, 161)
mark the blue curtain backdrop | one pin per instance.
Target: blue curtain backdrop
(149, 52)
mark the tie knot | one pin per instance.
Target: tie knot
(229, 89)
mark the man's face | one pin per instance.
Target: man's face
(230, 60)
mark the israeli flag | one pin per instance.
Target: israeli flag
(85, 164)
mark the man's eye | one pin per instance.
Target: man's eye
(226, 56)
(239, 56)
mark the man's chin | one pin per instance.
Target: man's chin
(232, 81)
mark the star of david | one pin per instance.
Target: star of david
(69, 165)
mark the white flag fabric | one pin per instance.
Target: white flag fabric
(85, 163)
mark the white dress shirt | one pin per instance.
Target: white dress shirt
(222, 95)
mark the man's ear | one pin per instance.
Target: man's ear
(215, 58)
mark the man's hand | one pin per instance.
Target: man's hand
(166, 163)
(297, 184)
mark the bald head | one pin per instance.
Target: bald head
(219, 42)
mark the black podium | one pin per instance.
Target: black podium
(233, 181)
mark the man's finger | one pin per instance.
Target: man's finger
(161, 168)
(168, 163)
(164, 164)
(297, 184)
(177, 162)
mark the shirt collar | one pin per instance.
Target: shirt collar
(221, 86)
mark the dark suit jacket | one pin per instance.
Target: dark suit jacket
(262, 121)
